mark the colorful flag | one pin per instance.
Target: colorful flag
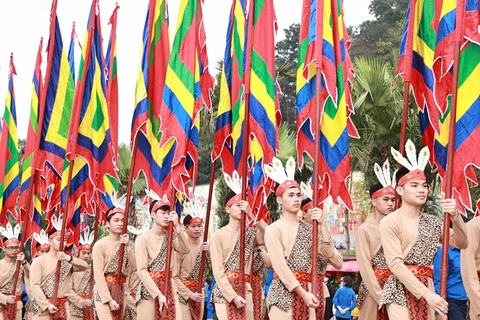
(145, 134)
(329, 50)
(9, 157)
(228, 137)
(90, 129)
(71, 51)
(182, 95)
(112, 79)
(57, 102)
(29, 174)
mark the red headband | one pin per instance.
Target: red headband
(159, 204)
(116, 210)
(195, 220)
(388, 190)
(287, 184)
(234, 200)
(84, 247)
(44, 246)
(11, 240)
(416, 174)
(307, 206)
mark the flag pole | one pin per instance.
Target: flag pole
(318, 105)
(75, 121)
(169, 251)
(28, 207)
(460, 16)
(95, 238)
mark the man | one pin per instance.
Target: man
(289, 244)
(11, 303)
(336, 261)
(470, 266)
(371, 260)
(105, 256)
(81, 306)
(43, 274)
(410, 240)
(229, 302)
(191, 300)
(151, 257)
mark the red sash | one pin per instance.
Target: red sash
(257, 295)
(195, 307)
(112, 284)
(61, 314)
(418, 308)
(9, 311)
(88, 313)
(233, 312)
(382, 277)
(159, 278)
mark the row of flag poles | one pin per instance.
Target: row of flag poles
(70, 156)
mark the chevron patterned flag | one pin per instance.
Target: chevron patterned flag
(467, 135)
(112, 79)
(182, 95)
(9, 158)
(148, 99)
(228, 137)
(93, 142)
(30, 145)
(71, 52)
(416, 60)
(60, 88)
(334, 162)
(264, 118)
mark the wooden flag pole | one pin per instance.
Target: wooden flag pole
(76, 121)
(460, 15)
(168, 262)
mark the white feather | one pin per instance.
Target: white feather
(423, 157)
(411, 153)
(234, 182)
(401, 160)
(306, 189)
(379, 174)
(36, 237)
(394, 179)
(386, 172)
(17, 230)
(279, 170)
(4, 232)
(290, 168)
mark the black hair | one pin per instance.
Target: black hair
(208, 280)
(110, 216)
(230, 195)
(374, 188)
(164, 207)
(187, 219)
(305, 202)
(348, 281)
(400, 173)
(37, 244)
(52, 231)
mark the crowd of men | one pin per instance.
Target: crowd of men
(395, 248)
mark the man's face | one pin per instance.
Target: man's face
(115, 225)
(194, 230)
(41, 252)
(11, 249)
(160, 216)
(290, 200)
(234, 211)
(55, 242)
(414, 192)
(384, 204)
(85, 255)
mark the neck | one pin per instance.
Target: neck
(410, 210)
(194, 241)
(233, 224)
(114, 236)
(377, 217)
(158, 229)
(8, 259)
(289, 217)
(52, 252)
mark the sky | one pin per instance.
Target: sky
(24, 22)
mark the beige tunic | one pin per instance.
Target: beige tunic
(7, 272)
(41, 269)
(147, 248)
(80, 287)
(470, 266)
(102, 255)
(185, 263)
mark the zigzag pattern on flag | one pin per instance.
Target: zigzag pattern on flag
(93, 142)
(60, 88)
(112, 79)
(9, 157)
(335, 126)
(145, 134)
(30, 144)
(182, 96)
(228, 137)
(416, 65)
(462, 16)
(264, 117)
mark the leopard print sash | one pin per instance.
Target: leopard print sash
(83, 290)
(233, 262)
(300, 260)
(422, 254)
(49, 285)
(195, 307)
(7, 288)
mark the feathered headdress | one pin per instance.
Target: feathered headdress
(10, 233)
(161, 201)
(56, 223)
(308, 193)
(384, 177)
(117, 204)
(42, 240)
(144, 215)
(138, 231)
(86, 240)
(415, 167)
(234, 182)
(195, 208)
(285, 177)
